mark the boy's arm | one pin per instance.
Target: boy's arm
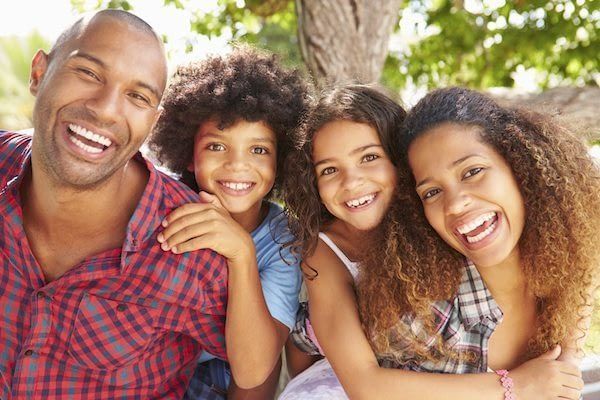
(254, 338)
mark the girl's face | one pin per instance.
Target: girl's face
(237, 164)
(469, 194)
(355, 177)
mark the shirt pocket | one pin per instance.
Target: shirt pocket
(110, 334)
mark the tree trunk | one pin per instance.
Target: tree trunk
(576, 106)
(346, 39)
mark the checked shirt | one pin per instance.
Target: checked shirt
(465, 324)
(128, 323)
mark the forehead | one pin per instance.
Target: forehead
(122, 48)
(339, 138)
(442, 145)
(240, 130)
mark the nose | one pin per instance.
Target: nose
(352, 179)
(236, 160)
(456, 202)
(105, 105)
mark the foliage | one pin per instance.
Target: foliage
(477, 43)
(16, 103)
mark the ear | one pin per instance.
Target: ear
(39, 66)
(190, 166)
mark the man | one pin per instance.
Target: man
(91, 306)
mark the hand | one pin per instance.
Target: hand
(206, 225)
(545, 377)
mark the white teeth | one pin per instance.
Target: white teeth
(361, 201)
(476, 223)
(94, 137)
(483, 234)
(81, 145)
(237, 185)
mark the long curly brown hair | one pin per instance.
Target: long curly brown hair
(247, 84)
(352, 102)
(411, 266)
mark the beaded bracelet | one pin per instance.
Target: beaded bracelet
(507, 384)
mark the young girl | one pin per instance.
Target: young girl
(227, 125)
(337, 326)
(344, 186)
(518, 198)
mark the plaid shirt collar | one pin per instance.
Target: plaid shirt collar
(146, 217)
(476, 303)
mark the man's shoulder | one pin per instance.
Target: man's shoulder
(14, 148)
(175, 193)
(13, 141)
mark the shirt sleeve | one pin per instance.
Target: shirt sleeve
(280, 278)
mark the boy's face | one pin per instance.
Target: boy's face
(237, 164)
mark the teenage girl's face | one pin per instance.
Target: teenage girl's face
(237, 164)
(355, 177)
(469, 194)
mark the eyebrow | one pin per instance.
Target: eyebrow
(453, 164)
(154, 90)
(220, 136)
(353, 152)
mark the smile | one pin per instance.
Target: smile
(88, 141)
(479, 228)
(361, 201)
(240, 187)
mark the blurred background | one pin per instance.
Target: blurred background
(543, 54)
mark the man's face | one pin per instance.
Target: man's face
(97, 99)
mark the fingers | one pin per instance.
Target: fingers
(185, 210)
(204, 241)
(206, 197)
(569, 369)
(569, 393)
(188, 226)
(174, 241)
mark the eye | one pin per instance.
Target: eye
(89, 73)
(370, 157)
(328, 171)
(472, 172)
(430, 193)
(215, 147)
(260, 150)
(140, 97)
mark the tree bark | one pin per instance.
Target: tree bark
(577, 107)
(346, 39)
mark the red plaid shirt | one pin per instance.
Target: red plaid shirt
(127, 323)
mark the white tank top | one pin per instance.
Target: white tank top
(351, 265)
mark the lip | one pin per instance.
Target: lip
(80, 153)
(362, 208)
(484, 242)
(233, 192)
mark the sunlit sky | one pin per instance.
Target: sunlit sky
(50, 17)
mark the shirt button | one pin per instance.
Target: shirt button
(41, 295)
(28, 353)
(121, 307)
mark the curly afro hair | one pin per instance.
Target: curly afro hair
(246, 84)
(413, 267)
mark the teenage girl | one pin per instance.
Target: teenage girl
(498, 211)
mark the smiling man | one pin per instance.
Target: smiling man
(91, 306)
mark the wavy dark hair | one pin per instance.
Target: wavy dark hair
(366, 104)
(246, 84)
(413, 267)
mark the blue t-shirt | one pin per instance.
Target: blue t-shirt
(278, 269)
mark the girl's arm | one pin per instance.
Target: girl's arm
(335, 319)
